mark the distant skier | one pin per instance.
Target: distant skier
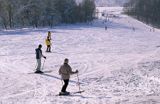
(65, 71)
(153, 29)
(49, 35)
(48, 44)
(150, 30)
(106, 27)
(39, 55)
(133, 28)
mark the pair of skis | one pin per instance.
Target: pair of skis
(48, 71)
(70, 93)
(41, 72)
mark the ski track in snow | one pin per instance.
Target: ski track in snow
(117, 66)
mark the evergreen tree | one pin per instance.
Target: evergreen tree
(144, 11)
(7, 12)
(50, 15)
(88, 9)
(3, 14)
(44, 12)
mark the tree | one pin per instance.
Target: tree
(3, 14)
(145, 11)
(44, 12)
(7, 12)
(50, 14)
(88, 10)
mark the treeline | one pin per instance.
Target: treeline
(23, 13)
(144, 10)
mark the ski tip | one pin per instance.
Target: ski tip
(80, 91)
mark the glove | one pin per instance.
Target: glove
(76, 71)
(44, 57)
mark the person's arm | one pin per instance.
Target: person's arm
(43, 55)
(72, 72)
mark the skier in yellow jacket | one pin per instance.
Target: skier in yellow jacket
(48, 44)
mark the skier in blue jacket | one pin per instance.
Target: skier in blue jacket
(39, 55)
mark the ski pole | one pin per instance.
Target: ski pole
(78, 83)
(62, 82)
(36, 66)
(43, 64)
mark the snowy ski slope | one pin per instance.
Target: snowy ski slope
(116, 66)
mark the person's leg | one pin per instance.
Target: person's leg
(65, 85)
(49, 48)
(38, 65)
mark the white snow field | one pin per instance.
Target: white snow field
(116, 66)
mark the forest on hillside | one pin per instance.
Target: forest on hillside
(26, 13)
(146, 11)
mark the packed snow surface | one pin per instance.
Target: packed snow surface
(108, 2)
(120, 65)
